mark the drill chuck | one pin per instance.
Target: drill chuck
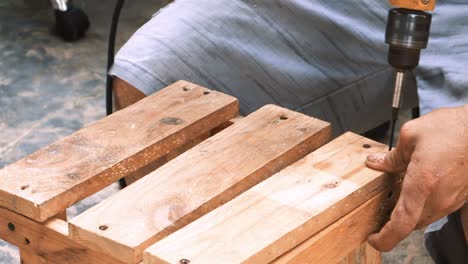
(407, 33)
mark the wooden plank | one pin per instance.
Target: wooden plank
(196, 182)
(370, 255)
(354, 228)
(364, 254)
(133, 177)
(55, 177)
(27, 257)
(48, 240)
(273, 217)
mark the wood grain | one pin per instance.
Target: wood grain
(276, 215)
(55, 177)
(354, 228)
(27, 257)
(152, 166)
(196, 182)
(47, 241)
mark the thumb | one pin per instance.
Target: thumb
(393, 161)
(398, 158)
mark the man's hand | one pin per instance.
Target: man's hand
(433, 150)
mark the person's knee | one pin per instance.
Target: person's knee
(125, 94)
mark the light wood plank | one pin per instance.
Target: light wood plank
(196, 182)
(133, 177)
(370, 255)
(27, 257)
(354, 228)
(276, 215)
(55, 177)
(364, 254)
(48, 241)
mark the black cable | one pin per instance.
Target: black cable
(110, 61)
(110, 54)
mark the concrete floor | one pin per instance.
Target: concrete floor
(49, 88)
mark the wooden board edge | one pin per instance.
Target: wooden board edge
(354, 228)
(47, 240)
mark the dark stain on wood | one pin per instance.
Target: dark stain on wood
(171, 121)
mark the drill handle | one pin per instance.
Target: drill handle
(423, 5)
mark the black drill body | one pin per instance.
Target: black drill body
(407, 33)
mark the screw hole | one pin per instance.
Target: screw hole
(283, 117)
(184, 261)
(103, 227)
(366, 146)
(390, 194)
(24, 187)
(27, 241)
(11, 227)
(206, 92)
(185, 89)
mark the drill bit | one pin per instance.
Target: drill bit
(396, 102)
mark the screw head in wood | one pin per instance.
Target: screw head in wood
(425, 2)
(103, 227)
(366, 146)
(11, 227)
(184, 261)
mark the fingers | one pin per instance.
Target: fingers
(397, 159)
(406, 214)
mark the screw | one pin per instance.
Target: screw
(27, 241)
(366, 146)
(206, 92)
(11, 226)
(425, 2)
(103, 227)
(283, 117)
(185, 89)
(184, 261)
(24, 187)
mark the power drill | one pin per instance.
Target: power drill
(407, 33)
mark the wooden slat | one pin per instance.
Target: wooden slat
(365, 254)
(48, 241)
(198, 181)
(133, 177)
(27, 257)
(354, 228)
(273, 217)
(55, 177)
